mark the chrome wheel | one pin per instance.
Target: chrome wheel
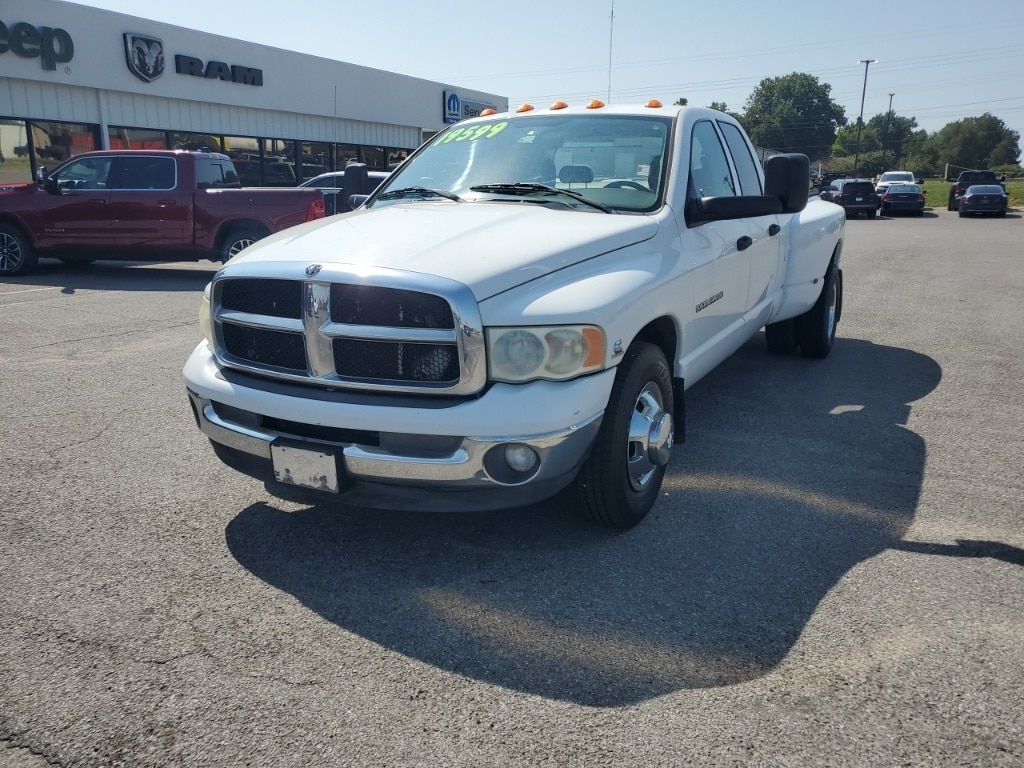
(649, 442)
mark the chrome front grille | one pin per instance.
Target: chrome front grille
(386, 330)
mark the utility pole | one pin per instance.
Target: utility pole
(860, 120)
(885, 139)
(611, 33)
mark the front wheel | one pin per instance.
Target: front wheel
(816, 328)
(17, 257)
(620, 481)
(237, 241)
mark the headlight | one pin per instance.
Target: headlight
(206, 316)
(552, 352)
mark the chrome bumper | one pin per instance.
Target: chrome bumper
(469, 466)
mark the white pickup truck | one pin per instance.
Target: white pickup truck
(517, 311)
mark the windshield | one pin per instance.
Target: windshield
(604, 161)
(897, 176)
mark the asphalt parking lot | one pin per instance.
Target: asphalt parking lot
(833, 576)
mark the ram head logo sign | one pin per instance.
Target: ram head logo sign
(145, 56)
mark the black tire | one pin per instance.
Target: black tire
(782, 337)
(17, 256)
(816, 328)
(1001, 214)
(238, 240)
(951, 205)
(871, 213)
(963, 214)
(620, 481)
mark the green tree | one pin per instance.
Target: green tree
(721, 106)
(682, 101)
(892, 130)
(920, 154)
(977, 142)
(793, 113)
(846, 141)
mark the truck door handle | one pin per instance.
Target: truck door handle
(773, 230)
(744, 242)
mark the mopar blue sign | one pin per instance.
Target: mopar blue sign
(452, 107)
(456, 108)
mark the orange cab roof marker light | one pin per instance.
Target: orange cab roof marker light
(654, 104)
(524, 108)
(558, 105)
(595, 104)
(488, 112)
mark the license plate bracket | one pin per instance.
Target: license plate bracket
(306, 467)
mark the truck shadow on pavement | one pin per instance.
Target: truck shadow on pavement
(117, 276)
(793, 472)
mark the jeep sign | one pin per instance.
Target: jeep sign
(51, 46)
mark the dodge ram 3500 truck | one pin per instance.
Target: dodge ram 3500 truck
(142, 205)
(517, 311)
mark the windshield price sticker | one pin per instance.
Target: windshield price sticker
(473, 132)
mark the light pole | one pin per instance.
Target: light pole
(860, 120)
(885, 138)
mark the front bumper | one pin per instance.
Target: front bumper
(403, 452)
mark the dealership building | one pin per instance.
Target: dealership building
(74, 78)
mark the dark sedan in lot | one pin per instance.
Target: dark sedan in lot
(902, 198)
(855, 195)
(983, 199)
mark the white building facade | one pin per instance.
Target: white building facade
(74, 78)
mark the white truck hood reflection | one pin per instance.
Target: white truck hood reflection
(488, 246)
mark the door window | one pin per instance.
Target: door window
(709, 168)
(750, 180)
(86, 173)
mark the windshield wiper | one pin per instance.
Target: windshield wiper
(526, 187)
(394, 194)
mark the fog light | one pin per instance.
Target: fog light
(521, 458)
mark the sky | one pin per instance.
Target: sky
(937, 62)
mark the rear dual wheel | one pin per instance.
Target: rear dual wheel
(816, 328)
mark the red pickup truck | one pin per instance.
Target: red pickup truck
(142, 205)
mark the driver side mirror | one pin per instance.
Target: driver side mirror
(42, 173)
(50, 185)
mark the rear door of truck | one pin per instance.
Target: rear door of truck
(150, 212)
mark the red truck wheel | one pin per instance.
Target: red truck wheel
(238, 240)
(17, 257)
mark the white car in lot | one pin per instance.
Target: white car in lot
(889, 178)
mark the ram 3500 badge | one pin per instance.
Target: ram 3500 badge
(517, 310)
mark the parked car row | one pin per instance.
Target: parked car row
(898, 192)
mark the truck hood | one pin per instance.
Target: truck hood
(490, 247)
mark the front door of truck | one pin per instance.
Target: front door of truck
(148, 215)
(721, 263)
(73, 214)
